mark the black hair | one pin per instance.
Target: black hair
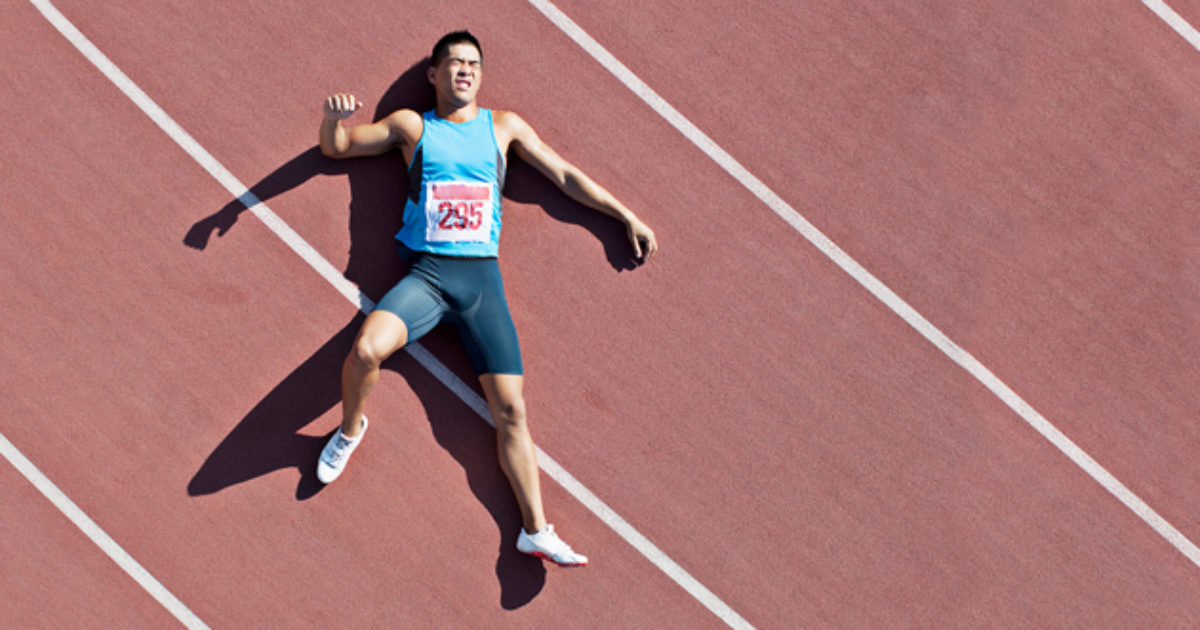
(442, 48)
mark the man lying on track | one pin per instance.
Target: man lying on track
(456, 156)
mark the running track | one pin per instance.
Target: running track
(1023, 175)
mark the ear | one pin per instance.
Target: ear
(430, 72)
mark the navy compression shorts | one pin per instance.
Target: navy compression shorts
(466, 292)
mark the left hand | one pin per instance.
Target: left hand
(642, 239)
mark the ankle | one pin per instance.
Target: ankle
(356, 429)
(533, 531)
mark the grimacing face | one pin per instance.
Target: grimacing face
(458, 76)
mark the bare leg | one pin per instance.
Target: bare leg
(382, 334)
(515, 445)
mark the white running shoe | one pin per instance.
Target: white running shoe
(337, 452)
(546, 544)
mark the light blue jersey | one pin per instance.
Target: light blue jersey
(455, 179)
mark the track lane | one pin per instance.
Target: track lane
(563, 331)
(257, 532)
(1079, 114)
(53, 576)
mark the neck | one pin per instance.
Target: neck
(457, 113)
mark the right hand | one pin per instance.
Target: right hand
(340, 106)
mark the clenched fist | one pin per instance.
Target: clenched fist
(340, 106)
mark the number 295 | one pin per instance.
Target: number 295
(462, 215)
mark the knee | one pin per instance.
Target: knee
(382, 334)
(365, 355)
(510, 413)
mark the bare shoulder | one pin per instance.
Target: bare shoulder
(505, 118)
(510, 128)
(404, 116)
(405, 123)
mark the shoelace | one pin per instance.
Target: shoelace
(339, 450)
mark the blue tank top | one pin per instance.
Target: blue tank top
(455, 179)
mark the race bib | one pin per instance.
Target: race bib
(457, 212)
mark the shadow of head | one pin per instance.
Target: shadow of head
(411, 90)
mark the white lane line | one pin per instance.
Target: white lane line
(197, 152)
(98, 536)
(351, 292)
(870, 282)
(1168, 15)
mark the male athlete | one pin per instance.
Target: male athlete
(456, 156)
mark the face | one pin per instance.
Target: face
(458, 76)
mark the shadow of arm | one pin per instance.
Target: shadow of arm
(295, 172)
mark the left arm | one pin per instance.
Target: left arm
(572, 181)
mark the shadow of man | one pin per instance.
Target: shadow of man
(268, 438)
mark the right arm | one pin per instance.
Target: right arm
(400, 128)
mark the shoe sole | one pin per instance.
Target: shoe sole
(561, 564)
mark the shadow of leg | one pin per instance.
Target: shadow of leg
(267, 438)
(472, 443)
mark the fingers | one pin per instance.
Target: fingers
(644, 243)
(341, 106)
(651, 246)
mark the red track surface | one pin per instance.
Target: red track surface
(1023, 175)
